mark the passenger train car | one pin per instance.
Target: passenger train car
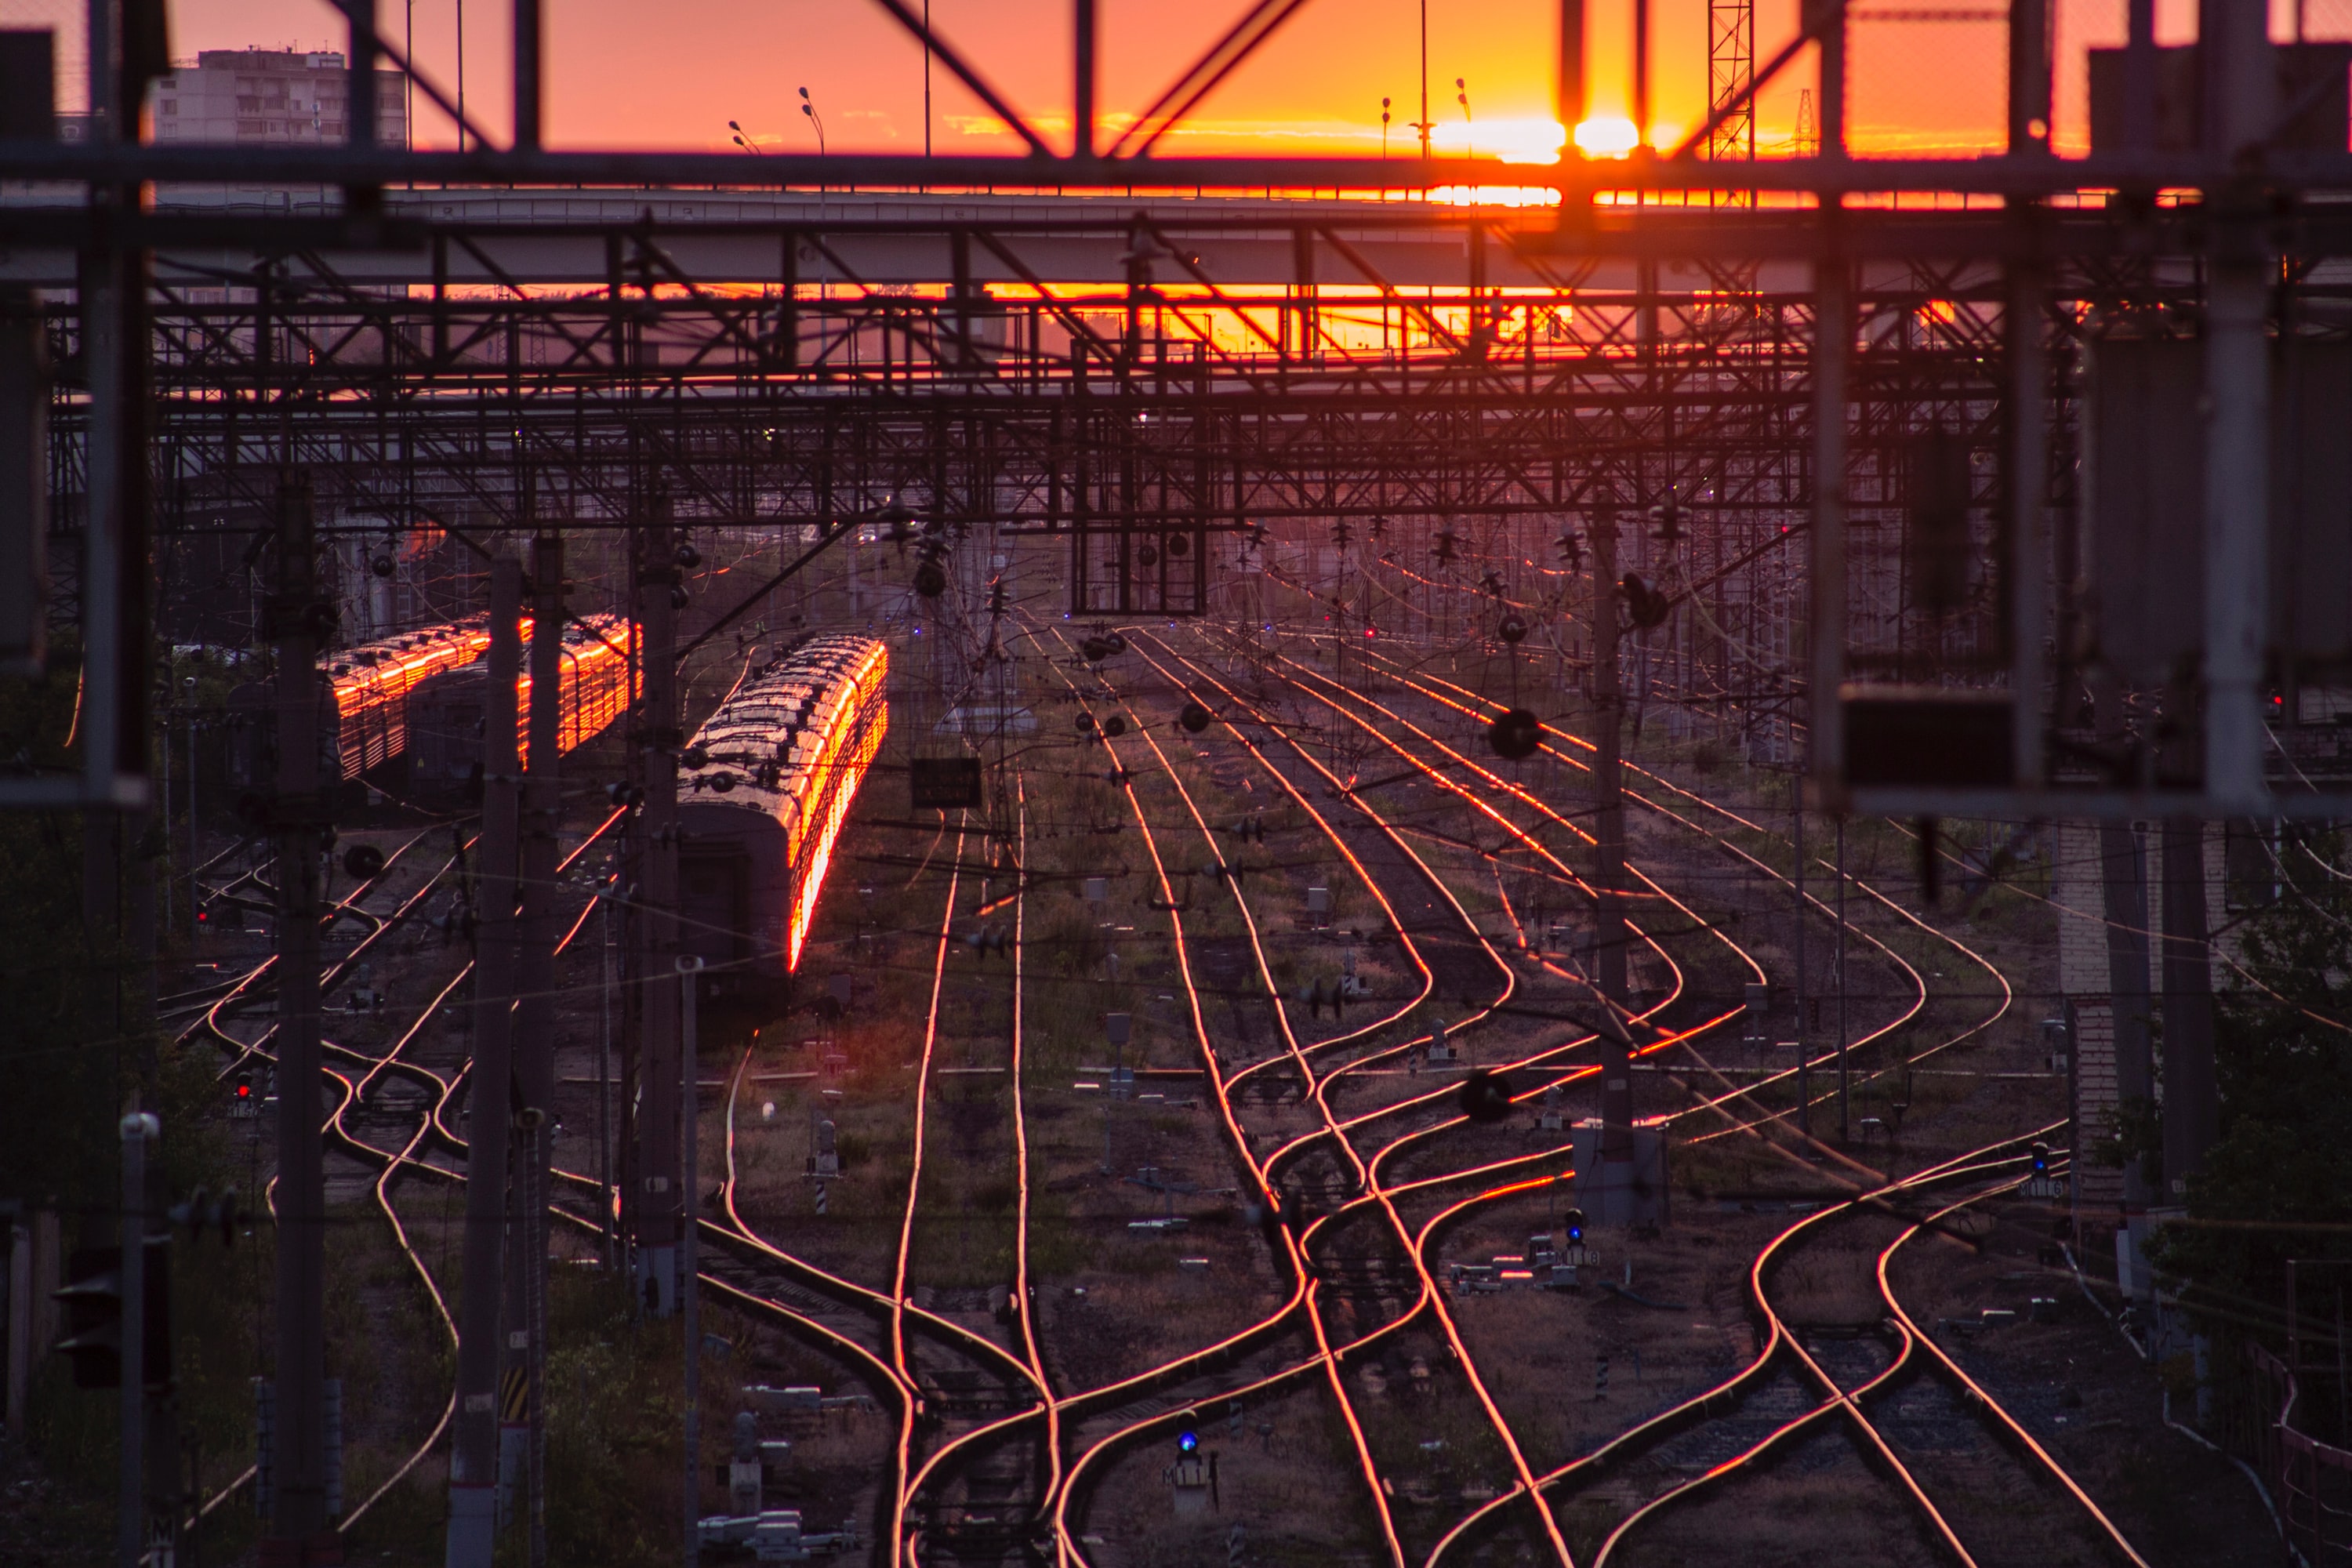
(764, 788)
(366, 698)
(445, 712)
(371, 688)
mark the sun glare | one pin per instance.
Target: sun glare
(1608, 137)
(1512, 141)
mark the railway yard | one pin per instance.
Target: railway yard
(1134, 1130)
(1146, 843)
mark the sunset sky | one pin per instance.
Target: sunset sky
(626, 73)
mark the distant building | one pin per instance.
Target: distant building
(269, 98)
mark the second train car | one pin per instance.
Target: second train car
(445, 715)
(764, 788)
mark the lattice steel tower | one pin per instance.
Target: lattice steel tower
(1730, 68)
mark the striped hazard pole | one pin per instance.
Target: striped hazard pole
(820, 1197)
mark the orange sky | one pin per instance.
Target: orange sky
(672, 75)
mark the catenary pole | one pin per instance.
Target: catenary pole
(473, 1469)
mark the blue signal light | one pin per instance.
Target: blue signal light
(1188, 1442)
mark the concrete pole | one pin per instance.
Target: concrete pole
(473, 1468)
(2241, 92)
(1844, 1083)
(2125, 871)
(1797, 888)
(2193, 1109)
(299, 1490)
(522, 1442)
(654, 1210)
(2028, 455)
(2237, 555)
(130, 1509)
(2028, 547)
(1832, 348)
(1609, 846)
(689, 1298)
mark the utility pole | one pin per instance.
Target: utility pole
(1797, 891)
(130, 1513)
(2192, 1110)
(534, 1038)
(474, 1460)
(1084, 29)
(299, 1531)
(688, 972)
(2125, 869)
(1422, 125)
(656, 1206)
(1844, 1129)
(1609, 845)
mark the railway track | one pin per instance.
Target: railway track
(1973, 1025)
(1385, 1172)
(1965, 1033)
(1429, 1297)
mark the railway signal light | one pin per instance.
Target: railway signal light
(92, 1298)
(1194, 718)
(381, 565)
(1515, 735)
(686, 555)
(1114, 726)
(1486, 1097)
(364, 861)
(1512, 628)
(1575, 1221)
(1178, 546)
(1085, 724)
(242, 1100)
(1188, 1442)
(1094, 651)
(678, 597)
(2040, 1153)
